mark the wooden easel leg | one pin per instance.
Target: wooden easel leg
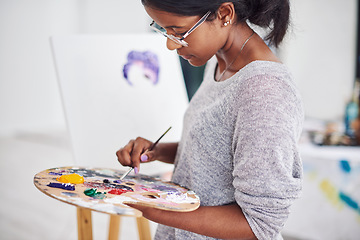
(143, 228)
(114, 227)
(84, 224)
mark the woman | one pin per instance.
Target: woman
(238, 148)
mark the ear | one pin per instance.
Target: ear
(226, 13)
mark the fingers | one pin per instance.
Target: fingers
(137, 150)
(124, 154)
(147, 156)
(133, 153)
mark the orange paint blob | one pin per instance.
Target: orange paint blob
(71, 178)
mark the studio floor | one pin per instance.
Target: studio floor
(25, 212)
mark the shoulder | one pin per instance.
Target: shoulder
(267, 78)
(265, 70)
(267, 87)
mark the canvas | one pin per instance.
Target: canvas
(115, 88)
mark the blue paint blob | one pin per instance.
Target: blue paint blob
(66, 186)
(348, 201)
(345, 166)
(55, 173)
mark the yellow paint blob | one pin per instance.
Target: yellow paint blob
(71, 178)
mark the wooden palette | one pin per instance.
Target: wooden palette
(111, 193)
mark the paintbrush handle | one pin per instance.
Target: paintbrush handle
(127, 173)
(155, 143)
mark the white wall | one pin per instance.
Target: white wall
(320, 52)
(112, 16)
(28, 91)
(29, 95)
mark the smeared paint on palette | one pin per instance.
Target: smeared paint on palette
(102, 190)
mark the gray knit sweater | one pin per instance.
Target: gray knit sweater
(239, 144)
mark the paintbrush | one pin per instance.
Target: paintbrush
(149, 149)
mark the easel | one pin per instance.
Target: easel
(84, 221)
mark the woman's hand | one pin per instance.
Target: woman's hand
(136, 152)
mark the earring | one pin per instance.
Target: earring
(227, 23)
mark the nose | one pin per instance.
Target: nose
(171, 45)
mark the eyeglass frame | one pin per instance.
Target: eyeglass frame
(179, 40)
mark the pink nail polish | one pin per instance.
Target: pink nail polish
(144, 158)
(136, 170)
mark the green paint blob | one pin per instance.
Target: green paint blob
(92, 192)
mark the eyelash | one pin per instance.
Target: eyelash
(179, 34)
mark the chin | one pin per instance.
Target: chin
(195, 63)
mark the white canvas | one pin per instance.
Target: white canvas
(103, 110)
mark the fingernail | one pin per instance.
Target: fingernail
(136, 170)
(144, 158)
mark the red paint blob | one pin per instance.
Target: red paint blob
(117, 191)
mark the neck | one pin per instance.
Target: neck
(232, 56)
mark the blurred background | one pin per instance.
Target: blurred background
(321, 51)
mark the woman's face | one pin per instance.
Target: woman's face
(203, 42)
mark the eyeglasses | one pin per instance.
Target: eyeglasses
(178, 40)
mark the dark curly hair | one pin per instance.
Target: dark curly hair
(272, 14)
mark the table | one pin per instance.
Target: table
(329, 207)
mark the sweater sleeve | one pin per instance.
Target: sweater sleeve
(267, 167)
